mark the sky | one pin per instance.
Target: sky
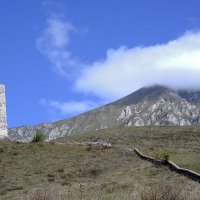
(60, 58)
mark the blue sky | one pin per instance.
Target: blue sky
(60, 58)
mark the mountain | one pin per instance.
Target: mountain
(148, 106)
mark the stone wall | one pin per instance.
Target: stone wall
(172, 166)
(3, 117)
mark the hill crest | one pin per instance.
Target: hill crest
(149, 106)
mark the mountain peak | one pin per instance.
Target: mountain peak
(149, 106)
(151, 93)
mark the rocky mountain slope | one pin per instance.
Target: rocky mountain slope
(149, 106)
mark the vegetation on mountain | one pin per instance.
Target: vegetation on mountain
(38, 137)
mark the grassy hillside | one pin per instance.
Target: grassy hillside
(68, 170)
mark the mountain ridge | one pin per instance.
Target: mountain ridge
(149, 106)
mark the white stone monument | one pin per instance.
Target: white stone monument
(3, 117)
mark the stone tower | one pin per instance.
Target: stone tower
(3, 117)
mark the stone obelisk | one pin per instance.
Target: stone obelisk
(3, 117)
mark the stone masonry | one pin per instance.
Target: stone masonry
(3, 117)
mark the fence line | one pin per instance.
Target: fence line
(171, 165)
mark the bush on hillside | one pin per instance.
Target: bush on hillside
(38, 137)
(164, 156)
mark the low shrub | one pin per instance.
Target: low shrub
(88, 148)
(50, 175)
(38, 137)
(92, 172)
(1, 150)
(164, 156)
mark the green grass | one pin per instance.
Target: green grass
(90, 172)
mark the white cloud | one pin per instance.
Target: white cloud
(68, 108)
(175, 64)
(53, 44)
(123, 70)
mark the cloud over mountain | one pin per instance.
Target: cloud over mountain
(175, 64)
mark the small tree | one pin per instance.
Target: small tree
(38, 137)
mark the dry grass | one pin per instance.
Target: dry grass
(163, 192)
(42, 194)
(69, 171)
